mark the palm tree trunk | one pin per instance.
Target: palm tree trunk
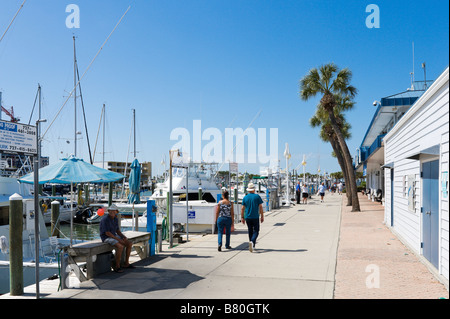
(348, 162)
(337, 150)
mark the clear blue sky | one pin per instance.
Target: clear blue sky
(216, 61)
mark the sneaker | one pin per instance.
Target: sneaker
(250, 246)
(219, 248)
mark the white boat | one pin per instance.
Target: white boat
(65, 211)
(201, 217)
(48, 246)
(201, 176)
(126, 210)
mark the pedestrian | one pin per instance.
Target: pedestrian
(251, 211)
(298, 192)
(322, 189)
(224, 220)
(305, 194)
(340, 188)
(110, 233)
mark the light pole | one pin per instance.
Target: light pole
(287, 154)
(171, 154)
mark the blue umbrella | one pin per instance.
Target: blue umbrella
(72, 170)
(135, 183)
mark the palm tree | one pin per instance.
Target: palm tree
(327, 134)
(328, 80)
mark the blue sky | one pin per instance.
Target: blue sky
(220, 62)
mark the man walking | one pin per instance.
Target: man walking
(298, 192)
(252, 208)
(322, 189)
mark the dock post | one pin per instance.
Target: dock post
(159, 240)
(110, 193)
(200, 194)
(151, 225)
(55, 219)
(16, 245)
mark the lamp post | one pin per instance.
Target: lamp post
(171, 154)
(287, 154)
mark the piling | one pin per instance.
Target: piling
(16, 245)
(200, 194)
(55, 219)
(86, 194)
(110, 194)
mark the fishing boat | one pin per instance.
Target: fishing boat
(202, 192)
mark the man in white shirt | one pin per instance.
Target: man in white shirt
(322, 189)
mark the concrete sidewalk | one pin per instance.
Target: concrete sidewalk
(295, 257)
(313, 251)
(372, 263)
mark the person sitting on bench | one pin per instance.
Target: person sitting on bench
(110, 233)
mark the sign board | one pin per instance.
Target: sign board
(191, 214)
(234, 168)
(17, 138)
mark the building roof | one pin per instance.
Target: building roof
(398, 103)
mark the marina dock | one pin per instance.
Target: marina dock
(303, 252)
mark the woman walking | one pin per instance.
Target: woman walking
(224, 219)
(305, 194)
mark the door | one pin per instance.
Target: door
(430, 211)
(392, 197)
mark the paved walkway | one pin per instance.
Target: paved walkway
(313, 251)
(374, 264)
(295, 257)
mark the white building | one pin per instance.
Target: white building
(369, 157)
(416, 177)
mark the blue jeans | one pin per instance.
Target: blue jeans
(253, 229)
(224, 222)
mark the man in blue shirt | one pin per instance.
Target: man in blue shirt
(298, 192)
(251, 210)
(110, 233)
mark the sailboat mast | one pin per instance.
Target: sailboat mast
(75, 95)
(103, 143)
(134, 131)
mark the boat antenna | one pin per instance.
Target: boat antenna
(87, 69)
(14, 18)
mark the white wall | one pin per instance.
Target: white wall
(424, 125)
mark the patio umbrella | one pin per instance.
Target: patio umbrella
(69, 171)
(72, 170)
(135, 183)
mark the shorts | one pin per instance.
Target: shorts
(111, 241)
(322, 194)
(305, 195)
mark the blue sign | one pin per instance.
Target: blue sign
(191, 214)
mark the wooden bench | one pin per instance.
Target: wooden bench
(87, 252)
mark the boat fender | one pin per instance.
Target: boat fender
(45, 207)
(4, 244)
